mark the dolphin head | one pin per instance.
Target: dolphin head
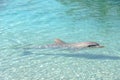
(77, 45)
(87, 44)
(93, 44)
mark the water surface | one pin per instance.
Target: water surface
(33, 23)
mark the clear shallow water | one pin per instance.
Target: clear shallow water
(33, 23)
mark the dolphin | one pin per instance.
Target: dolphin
(58, 43)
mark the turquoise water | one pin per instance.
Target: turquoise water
(38, 22)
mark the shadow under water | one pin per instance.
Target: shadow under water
(78, 55)
(89, 56)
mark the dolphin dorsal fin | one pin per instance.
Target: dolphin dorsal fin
(58, 41)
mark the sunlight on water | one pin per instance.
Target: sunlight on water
(33, 23)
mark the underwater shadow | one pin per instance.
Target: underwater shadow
(87, 56)
(26, 53)
(76, 55)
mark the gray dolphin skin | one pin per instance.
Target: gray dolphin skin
(61, 44)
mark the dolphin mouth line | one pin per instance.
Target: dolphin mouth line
(99, 46)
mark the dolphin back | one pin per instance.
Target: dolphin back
(60, 42)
